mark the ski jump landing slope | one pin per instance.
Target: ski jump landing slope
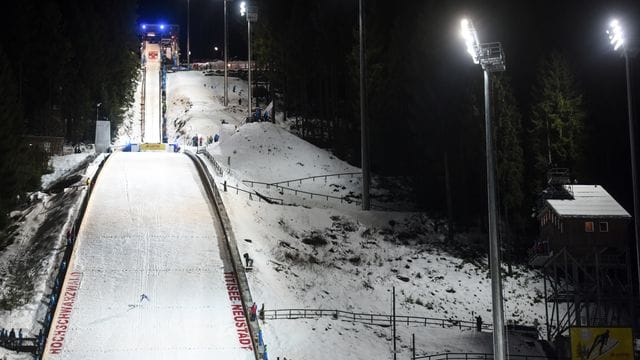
(152, 123)
(148, 278)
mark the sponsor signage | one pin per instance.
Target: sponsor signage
(601, 343)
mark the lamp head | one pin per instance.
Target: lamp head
(468, 33)
(616, 34)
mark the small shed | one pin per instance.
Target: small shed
(586, 218)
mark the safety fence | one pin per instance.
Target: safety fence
(260, 197)
(297, 192)
(217, 167)
(482, 356)
(18, 343)
(313, 178)
(71, 236)
(372, 319)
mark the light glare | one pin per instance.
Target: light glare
(243, 8)
(616, 35)
(468, 33)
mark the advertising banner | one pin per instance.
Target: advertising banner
(601, 343)
(103, 136)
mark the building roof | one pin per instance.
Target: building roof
(588, 201)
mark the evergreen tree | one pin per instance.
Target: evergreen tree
(557, 120)
(10, 125)
(509, 156)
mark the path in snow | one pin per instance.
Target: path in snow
(149, 230)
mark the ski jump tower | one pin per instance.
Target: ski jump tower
(159, 48)
(583, 252)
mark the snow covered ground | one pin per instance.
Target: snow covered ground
(194, 104)
(29, 261)
(153, 113)
(147, 278)
(331, 255)
(321, 253)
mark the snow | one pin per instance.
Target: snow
(62, 165)
(25, 266)
(589, 201)
(148, 230)
(152, 119)
(363, 258)
(194, 104)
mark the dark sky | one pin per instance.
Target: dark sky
(207, 25)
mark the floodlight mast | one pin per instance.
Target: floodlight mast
(617, 40)
(491, 58)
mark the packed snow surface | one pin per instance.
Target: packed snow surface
(152, 121)
(148, 268)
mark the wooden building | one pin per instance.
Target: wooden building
(588, 218)
(583, 255)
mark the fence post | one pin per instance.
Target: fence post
(413, 346)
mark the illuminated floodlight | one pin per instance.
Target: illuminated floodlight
(215, 48)
(144, 26)
(616, 35)
(470, 37)
(243, 8)
(161, 26)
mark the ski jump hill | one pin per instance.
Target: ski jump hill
(152, 132)
(150, 276)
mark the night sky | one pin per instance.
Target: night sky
(527, 29)
(207, 26)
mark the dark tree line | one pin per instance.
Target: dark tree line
(58, 59)
(425, 104)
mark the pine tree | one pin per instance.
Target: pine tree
(9, 128)
(509, 155)
(557, 120)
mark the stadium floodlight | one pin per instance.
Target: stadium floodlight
(470, 37)
(616, 38)
(161, 26)
(616, 35)
(491, 58)
(243, 8)
(144, 26)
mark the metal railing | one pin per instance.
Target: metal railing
(482, 356)
(312, 178)
(21, 344)
(251, 194)
(296, 191)
(371, 319)
(218, 168)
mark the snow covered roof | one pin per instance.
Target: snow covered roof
(589, 200)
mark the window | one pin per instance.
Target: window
(603, 226)
(588, 226)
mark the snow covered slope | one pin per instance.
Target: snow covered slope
(152, 118)
(147, 278)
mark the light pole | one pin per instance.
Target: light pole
(226, 50)
(252, 16)
(491, 58)
(188, 33)
(97, 111)
(616, 38)
(364, 129)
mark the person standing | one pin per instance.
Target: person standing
(254, 309)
